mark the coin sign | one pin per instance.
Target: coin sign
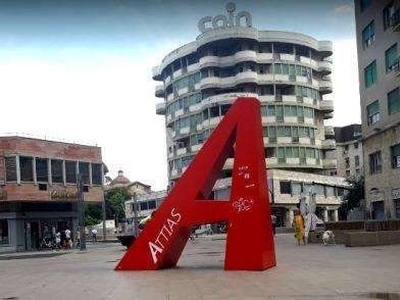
(221, 21)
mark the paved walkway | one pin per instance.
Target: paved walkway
(303, 272)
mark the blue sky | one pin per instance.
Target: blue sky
(81, 70)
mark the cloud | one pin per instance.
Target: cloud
(343, 8)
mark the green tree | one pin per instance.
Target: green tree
(93, 213)
(115, 203)
(353, 197)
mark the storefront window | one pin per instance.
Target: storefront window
(3, 232)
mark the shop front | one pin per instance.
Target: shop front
(24, 226)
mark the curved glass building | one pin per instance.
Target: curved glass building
(288, 72)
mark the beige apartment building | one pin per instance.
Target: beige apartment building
(378, 46)
(348, 152)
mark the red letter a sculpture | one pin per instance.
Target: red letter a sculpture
(249, 244)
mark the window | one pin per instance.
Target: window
(393, 101)
(26, 167)
(391, 58)
(270, 152)
(356, 160)
(368, 34)
(4, 232)
(143, 205)
(84, 171)
(41, 170)
(375, 162)
(11, 169)
(70, 171)
(152, 204)
(96, 174)
(347, 173)
(57, 170)
(319, 189)
(373, 112)
(388, 13)
(347, 161)
(364, 4)
(395, 154)
(285, 187)
(370, 74)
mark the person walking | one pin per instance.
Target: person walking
(68, 243)
(58, 240)
(94, 235)
(273, 222)
(298, 223)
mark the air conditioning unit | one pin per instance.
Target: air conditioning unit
(278, 98)
(295, 139)
(279, 119)
(300, 99)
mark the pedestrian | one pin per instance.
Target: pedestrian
(68, 243)
(273, 222)
(58, 240)
(298, 223)
(94, 235)
(78, 239)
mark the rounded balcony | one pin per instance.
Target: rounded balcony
(326, 106)
(160, 108)
(325, 86)
(325, 67)
(156, 73)
(159, 91)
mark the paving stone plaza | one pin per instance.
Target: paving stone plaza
(313, 271)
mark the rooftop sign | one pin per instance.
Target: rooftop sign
(220, 21)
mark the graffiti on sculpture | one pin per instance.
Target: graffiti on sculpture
(249, 243)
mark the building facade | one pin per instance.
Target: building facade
(288, 72)
(348, 152)
(38, 188)
(378, 46)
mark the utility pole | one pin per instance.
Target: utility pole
(103, 206)
(81, 213)
(135, 215)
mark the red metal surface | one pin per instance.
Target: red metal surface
(249, 244)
